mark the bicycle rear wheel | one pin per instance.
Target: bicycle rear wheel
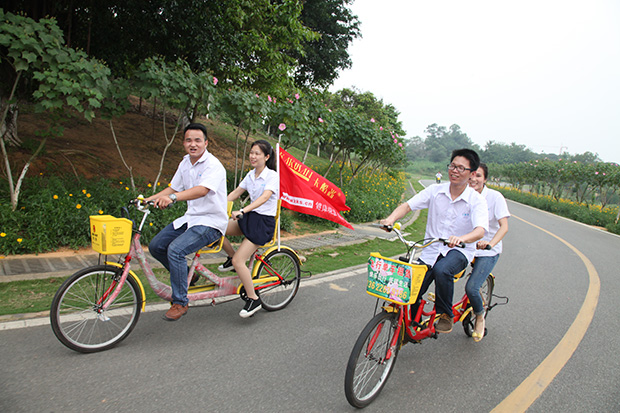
(368, 369)
(285, 264)
(76, 314)
(486, 291)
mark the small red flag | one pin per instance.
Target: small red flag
(305, 191)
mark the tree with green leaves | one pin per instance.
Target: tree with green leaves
(323, 56)
(183, 94)
(252, 44)
(57, 77)
(246, 110)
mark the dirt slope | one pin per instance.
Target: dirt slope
(88, 149)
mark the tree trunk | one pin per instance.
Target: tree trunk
(237, 151)
(8, 129)
(15, 193)
(5, 155)
(129, 168)
(169, 143)
(331, 162)
(306, 153)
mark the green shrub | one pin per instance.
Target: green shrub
(53, 211)
(588, 214)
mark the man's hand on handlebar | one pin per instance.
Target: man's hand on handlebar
(386, 225)
(455, 241)
(162, 202)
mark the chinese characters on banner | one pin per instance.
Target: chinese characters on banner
(305, 191)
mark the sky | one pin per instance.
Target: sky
(542, 73)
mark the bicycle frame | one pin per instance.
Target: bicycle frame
(399, 318)
(221, 286)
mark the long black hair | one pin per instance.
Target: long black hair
(267, 149)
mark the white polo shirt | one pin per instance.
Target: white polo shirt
(498, 209)
(267, 180)
(209, 210)
(447, 217)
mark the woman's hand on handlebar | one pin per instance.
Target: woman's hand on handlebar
(483, 245)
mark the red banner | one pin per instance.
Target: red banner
(305, 191)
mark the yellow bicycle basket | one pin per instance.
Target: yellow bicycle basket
(110, 235)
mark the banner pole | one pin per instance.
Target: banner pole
(279, 191)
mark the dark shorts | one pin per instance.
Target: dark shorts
(257, 228)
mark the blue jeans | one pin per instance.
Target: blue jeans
(171, 246)
(443, 273)
(482, 268)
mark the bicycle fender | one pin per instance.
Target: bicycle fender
(469, 310)
(135, 277)
(264, 254)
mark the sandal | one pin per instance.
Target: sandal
(477, 335)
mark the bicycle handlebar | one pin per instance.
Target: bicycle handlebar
(140, 203)
(396, 229)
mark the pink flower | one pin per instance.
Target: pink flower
(282, 126)
(289, 101)
(396, 134)
(596, 173)
(380, 127)
(297, 96)
(400, 144)
(269, 98)
(257, 95)
(214, 80)
(372, 120)
(321, 120)
(395, 141)
(329, 110)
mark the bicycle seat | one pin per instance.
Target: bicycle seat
(459, 275)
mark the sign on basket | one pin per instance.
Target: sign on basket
(393, 280)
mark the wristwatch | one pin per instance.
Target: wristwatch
(241, 210)
(173, 197)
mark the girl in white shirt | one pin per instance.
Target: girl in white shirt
(255, 221)
(486, 259)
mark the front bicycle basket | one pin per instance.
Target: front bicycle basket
(393, 280)
(109, 235)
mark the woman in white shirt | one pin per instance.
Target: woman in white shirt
(255, 221)
(486, 258)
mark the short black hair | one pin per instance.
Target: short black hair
(470, 155)
(197, 126)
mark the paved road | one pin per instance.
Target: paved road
(294, 360)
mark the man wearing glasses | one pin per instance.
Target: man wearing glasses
(457, 213)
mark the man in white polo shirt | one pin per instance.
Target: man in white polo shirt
(200, 180)
(455, 212)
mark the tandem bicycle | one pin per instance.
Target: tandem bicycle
(398, 320)
(98, 306)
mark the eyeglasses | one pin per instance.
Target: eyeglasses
(459, 168)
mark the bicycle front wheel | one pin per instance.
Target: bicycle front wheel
(284, 264)
(77, 317)
(369, 368)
